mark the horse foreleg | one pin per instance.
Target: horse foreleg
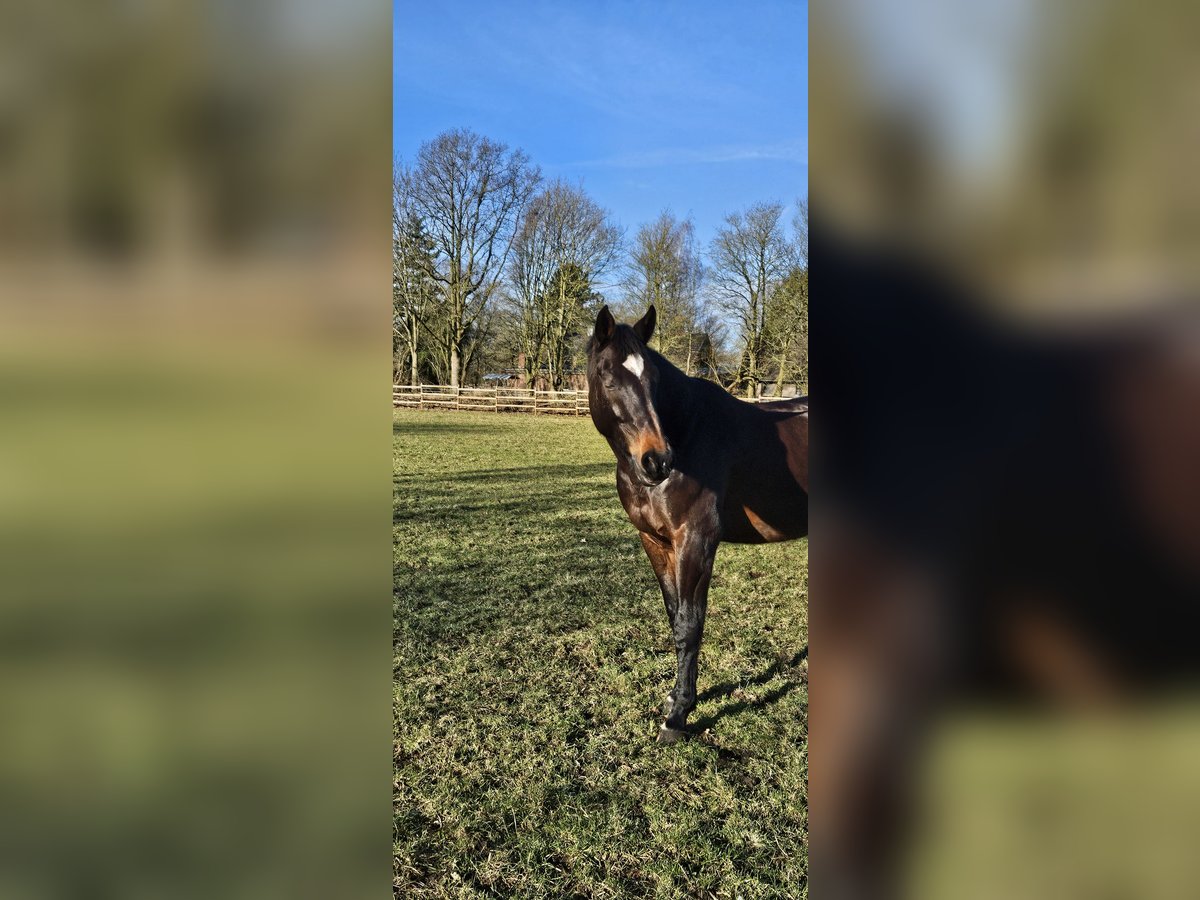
(662, 560)
(882, 642)
(694, 557)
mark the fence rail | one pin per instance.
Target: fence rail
(498, 399)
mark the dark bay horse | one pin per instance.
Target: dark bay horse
(695, 466)
(1010, 512)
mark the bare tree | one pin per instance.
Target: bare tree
(532, 267)
(800, 233)
(749, 258)
(786, 334)
(470, 192)
(413, 289)
(666, 270)
(787, 310)
(566, 243)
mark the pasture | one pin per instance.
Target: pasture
(531, 655)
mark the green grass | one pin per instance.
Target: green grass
(531, 657)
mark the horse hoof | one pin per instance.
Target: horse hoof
(670, 735)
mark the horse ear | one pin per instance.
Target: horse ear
(644, 327)
(605, 326)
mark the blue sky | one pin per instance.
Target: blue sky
(700, 107)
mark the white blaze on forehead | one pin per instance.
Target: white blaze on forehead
(633, 362)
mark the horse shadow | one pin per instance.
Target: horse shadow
(726, 689)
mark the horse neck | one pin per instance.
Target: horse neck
(676, 413)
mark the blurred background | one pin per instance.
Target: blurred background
(194, 518)
(194, 200)
(1046, 148)
(1005, 368)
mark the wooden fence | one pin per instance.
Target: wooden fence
(501, 399)
(491, 399)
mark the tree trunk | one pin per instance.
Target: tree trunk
(414, 380)
(454, 355)
(782, 372)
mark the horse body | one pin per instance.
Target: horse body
(737, 472)
(767, 496)
(695, 466)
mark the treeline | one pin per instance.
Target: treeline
(494, 268)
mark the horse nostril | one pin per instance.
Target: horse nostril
(656, 465)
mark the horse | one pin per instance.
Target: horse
(695, 466)
(987, 520)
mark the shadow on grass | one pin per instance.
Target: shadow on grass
(483, 500)
(545, 547)
(440, 428)
(501, 424)
(698, 726)
(725, 688)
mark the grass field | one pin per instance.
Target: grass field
(531, 656)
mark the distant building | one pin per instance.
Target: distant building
(517, 377)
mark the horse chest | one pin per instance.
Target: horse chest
(660, 510)
(640, 507)
(650, 518)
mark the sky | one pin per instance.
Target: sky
(696, 107)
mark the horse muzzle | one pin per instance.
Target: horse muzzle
(656, 465)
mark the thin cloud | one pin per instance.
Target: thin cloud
(784, 151)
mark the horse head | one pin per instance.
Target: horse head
(623, 384)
